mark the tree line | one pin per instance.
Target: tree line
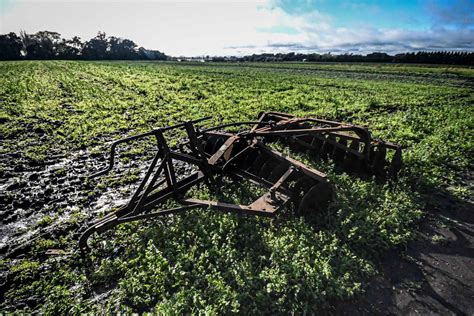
(50, 45)
(422, 57)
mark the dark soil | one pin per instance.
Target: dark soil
(434, 274)
(40, 200)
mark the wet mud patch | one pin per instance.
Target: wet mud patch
(47, 206)
(57, 195)
(37, 197)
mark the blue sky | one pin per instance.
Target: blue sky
(381, 14)
(202, 27)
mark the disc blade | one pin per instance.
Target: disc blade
(267, 168)
(209, 144)
(340, 153)
(379, 160)
(351, 161)
(328, 147)
(250, 159)
(316, 199)
(396, 163)
(258, 163)
(219, 142)
(278, 171)
(299, 189)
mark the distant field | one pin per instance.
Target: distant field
(388, 68)
(408, 69)
(57, 118)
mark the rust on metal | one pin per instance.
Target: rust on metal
(247, 155)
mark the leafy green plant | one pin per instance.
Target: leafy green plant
(210, 262)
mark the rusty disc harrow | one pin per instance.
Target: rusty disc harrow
(247, 155)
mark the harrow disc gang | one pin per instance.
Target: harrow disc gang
(215, 152)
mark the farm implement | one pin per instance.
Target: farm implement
(247, 156)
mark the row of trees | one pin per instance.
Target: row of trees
(442, 57)
(50, 45)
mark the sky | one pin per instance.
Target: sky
(225, 28)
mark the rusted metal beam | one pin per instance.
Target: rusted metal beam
(246, 155)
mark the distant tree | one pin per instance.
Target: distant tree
(449, 58)
(144, 53)
(119, 48)
(69, 48)
(378, 57)
(96, 48)
(10, 47)
(41, 45)
(459, 58)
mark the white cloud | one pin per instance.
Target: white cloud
(215, 28)
(178, 28)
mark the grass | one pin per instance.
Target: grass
(413, 69)
(221, 263)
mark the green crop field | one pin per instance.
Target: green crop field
(58, 117)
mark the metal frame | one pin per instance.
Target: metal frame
(216, 152)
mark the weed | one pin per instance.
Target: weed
(210, 262)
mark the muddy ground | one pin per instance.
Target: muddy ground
(434, 274)
(56, 196)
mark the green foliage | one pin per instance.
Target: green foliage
(209, 262)
(45, 221)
